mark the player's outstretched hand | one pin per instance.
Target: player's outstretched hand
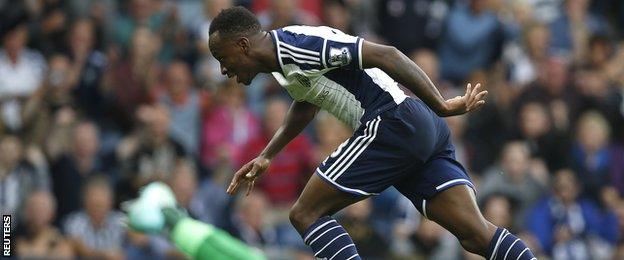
(473, 99)
(248, 174)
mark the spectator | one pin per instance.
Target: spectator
(21, 73)
(289, 170)
(138, 13)
(176, 42)
(464, 50)
(186, 106)
(50, 28)
(600, 50)
(428, 61)
(41, 239)
(18, 177)
(552, 83)
(207, 70)
(546, 11)
(211, 9)
(283, 13)
(591, 155)
(250, 223)
(517, 176)
(74, 166)
(59, 134)
(432, 241)
(150, 154)
(571, 31)
(425, 20)
(483, 141)
(86, 71)
(597, 92)
(96, 231)
(227, 128)
(566, 225)
(357, 220)
(553, 89)
(336, 15)
(183, 182)
(45, 103)
(499, 208)
(524, 61)
(311, 7)
(544, 142)
(211, 204)
(130, 82)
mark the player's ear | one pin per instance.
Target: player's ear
(244, 44)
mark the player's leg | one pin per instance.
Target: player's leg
(456, 210)
(311, 216)
(370, 161)
(442, 191)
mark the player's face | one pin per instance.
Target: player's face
(233, 57)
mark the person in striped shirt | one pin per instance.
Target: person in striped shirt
(398, 141)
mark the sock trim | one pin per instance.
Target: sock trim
(317, 229)
(498, 241)
(352, 256)
(343, 248)
(319, 236)
(510, 247)
(522, 253)
(506, 234)
(317, 253)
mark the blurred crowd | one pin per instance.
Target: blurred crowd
(100, 97)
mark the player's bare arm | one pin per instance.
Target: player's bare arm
(406, 72)
(299, 116)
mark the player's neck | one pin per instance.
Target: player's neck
(265, 51)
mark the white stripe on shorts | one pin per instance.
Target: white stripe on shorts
(443, 185)
(352, 156)
(343, 188)
(346, 151)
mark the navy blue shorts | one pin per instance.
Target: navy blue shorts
(407, 147)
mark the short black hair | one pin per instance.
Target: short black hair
(12, 18)
(235, 21)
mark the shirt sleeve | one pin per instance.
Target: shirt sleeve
(317, 48)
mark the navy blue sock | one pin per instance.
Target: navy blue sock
(330, 240)
(505, 245)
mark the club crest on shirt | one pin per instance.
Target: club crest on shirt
(339, 57)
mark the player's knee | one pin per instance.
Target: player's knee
(302, 217)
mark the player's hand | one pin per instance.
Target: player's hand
(473, 99)
(248, 174)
